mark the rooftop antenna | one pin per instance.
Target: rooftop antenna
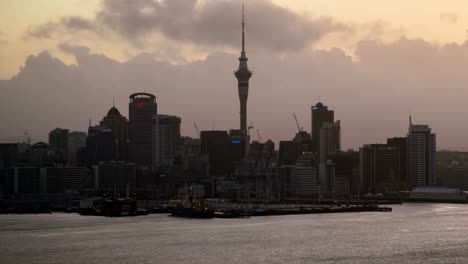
(113, 101)
(90, 122)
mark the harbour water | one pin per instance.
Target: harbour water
(412, 233)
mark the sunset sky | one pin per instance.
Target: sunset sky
(373, 62)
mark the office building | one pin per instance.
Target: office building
(169, 139)
(320, 115)
(421, 155)
(142, 130)
(118, 124)
(330, 140)
(76, 141)
(99, 145)
(115, 177)
(58, 142)
(380, 167)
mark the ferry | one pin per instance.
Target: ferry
(190, 207)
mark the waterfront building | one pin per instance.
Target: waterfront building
(380, 166)
(169, 140)
(421, 155)
(99, 145)
(58, 142)
(303, 182)
(61, 179)
(217, 146)
(329, 140)
(142, 130)
(320, 115)
(76, 141)
(119, 128)
(8, 155)
(115, 177)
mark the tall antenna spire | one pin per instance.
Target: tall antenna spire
(113, 101)
(243, 34)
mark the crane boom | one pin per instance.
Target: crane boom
(196, 128)
(297, 123)
(259, 138)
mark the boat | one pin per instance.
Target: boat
(190, 207)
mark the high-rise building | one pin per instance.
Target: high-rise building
(220, 150)
(168, 139)
(119, 126)
(243, 75)
(380, 166)
(143, 111)
(76, 141)
(320, 115)
(58, 141)
(8, 155)
(421, 155)
(330, 140)
(99, 145)
(401, 144)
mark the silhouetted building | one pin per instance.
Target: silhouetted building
(218, 147)
(115, 177)
(61, 179)
(8, 155)
(289, 151)
(58, 142)
(243, 75)
(76, 141)
(142, 130)
(99, 145)
(119, 127)
(320, 115)
(347, 172)
(304, 182)
(168, 139)
(42, 155)
(401, 144)
(22, 180)
(380, 166)
(421, 155)
(330, 140)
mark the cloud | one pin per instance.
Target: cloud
(70, 24)
(372, 95)
(214, 23)
(449, 17)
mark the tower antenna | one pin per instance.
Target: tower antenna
(243, 35)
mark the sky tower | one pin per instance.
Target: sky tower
(243, 75)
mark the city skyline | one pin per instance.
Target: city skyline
(371, 92)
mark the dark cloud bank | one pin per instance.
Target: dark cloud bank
(373, 95)
(216, 23)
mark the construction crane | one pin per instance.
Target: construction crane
(28, 138)
(259, 138)
(196, 128)
(249, 127)
(297, 123)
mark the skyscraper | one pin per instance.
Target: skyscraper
(421, 155)
(320, 115)
(168, 139)
(58, 141)
(143, 111)
(119, 126)
(330, 140)
(243, 75)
